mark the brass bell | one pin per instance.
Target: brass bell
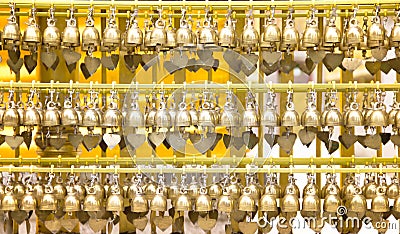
(311, 117)
(170, 37)
(69, 117)
(207, 34)
(71, 202)
(354, 34)
(28, 201)
(333, 117)
(392, 190)
(112, 117)
(396, 208)
(332, 36)
(51, 117)
(134, 117)
(184, 34)
(271, 35)
(162, 117)
(392, 113)
(225, 202)
(31, 115)
(11, 32)
(378, 116)
(71, 36)
(139, 202)
(51, 34)
(203, 201)
(234, 189)
(290, 35)
(270, 116)
(206, 117)
(215, 190)
(246, 202)
(395, 33)
(158, 36)
(227, 35)
(9, 202)
(311, 35)
(311, 202)
(353, 117)
(91, 118)
(172, 112)
(290, 117)
(59, 189)
(115, 202)
(38, 191)
(90, 35)
(250, 37)
(357, 203)
(370, 190)
(332, 200)
(376, 32)
(254, 190)
(194, 115)
(183, 202)
(380, 203)
(32, 36)
(134, 36)
(150, 190)
(268, 203)
(290, 202)
(111, 35)
(19, 190)
(91, 201)
(79, 189)
(194, 189)
(11, 116)
(48, 201)
(273, 189)
(159, 202)
(183, 117)
(174, 189)
(250, 115)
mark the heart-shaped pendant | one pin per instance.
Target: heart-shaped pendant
(110, 62)
(14, 141)
(385, 67)
(379, 53)
(27, 138)
(82, 216)
(49, 59)
(271, 57)
(373, 141)
(140, 223)
(306, 137)
(75, 139)
(332, 61)
(193, 216)
(111, 139)
(53, 226)
(286, 141)
(373, 67)
(250, 139)
(271, 139)
(248, 227)
(206, 224)
(91, 141)
(157, 138)
(205, 55)
(41, 142)
(69, 224)
(351, 64)
(316, 55)
(30, 62)
(395, 64)
(136, 140)
(57, 142)
(385, 137)
(14, 55)
(348, 140)
(71, 57)
(149, 60)
(177, 141)
(287, 64)
(163, 222)
(15, 67)
(180, 60)
(97, 224)
(19, 216)
(92, 64)
(396, 140)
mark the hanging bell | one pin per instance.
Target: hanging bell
(270, 116)
(184, 34)
(71, 202)
(290, 35)
(170, 37)
(206, 117)
(9, 202)
(290, 117)
(227, 35)
(353, 117)
(250, 116)
(250, 38)
(332, 36)
(271, 35)
(139, 202)
(71, 36)
(234, 189)
(354, 34)
(203, 201)
(380, 203)
(11, 32)
(225, 202)
(268, 203)
(51, 34)
(246, 202)
(112, 117)
(194, 115)
(332, 200)
(31, 115)
(311, 116)
(90, 35)
(162, 117)
(59, 189)
(91, 202)
(393, 189)
(69, 117)
(51, 117)
(134, 117)
(376, 32)
(183, 117)
(48, 201)
(215, 190)
(32, 36)
(28, 202)
(159, 202)
(11, 115)
(395, 33)
(115, 202)
(311, 35)
(91, 117)
(134, 36)
(290, 202)
(230, 117)
(158, 36)
(357, 204)
(333, 117)
(183, 202)
(311, 202)
(150, 189)
(111, 35)
(207, 35)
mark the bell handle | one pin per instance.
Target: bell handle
(182, 106)
(203, 190)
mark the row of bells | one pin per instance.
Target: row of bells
(209, 114)
(162, 35)
(271, 198)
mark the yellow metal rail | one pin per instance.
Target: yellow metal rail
(277, 87)
(191, 160)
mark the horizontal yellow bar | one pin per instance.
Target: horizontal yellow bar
(188, 160)
(277, 87)
(197, 170)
